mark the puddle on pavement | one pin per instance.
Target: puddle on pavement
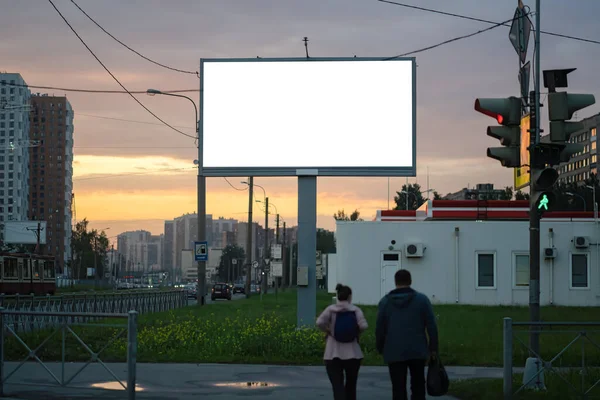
(247, 385)
(114, 386)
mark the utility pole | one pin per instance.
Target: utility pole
(249, 237)
(266, 250)
(284, 270)
(95, 260)
(276, 278)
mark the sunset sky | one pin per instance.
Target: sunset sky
(131, 172)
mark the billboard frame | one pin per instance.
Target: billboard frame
(522, 174)
(404, 171)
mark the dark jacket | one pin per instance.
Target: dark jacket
(403, 316)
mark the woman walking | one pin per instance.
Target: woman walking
(343, 322)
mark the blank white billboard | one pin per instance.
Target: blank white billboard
(272, 117)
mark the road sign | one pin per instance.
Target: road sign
(234, 261)
(277, 268)
(201, 251)
(319, 258)
(319, 272)
(255, 264)
(276, 251)
(519, 33)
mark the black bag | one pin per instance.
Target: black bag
(437, 378)
(346, 327)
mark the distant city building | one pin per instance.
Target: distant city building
(14, 151)
(482, 191)
(168, 252)
(219, 226)
(581, 165)
(51, 172)
(133, 246)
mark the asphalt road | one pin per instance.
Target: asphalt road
(193, 302)
(202, 381)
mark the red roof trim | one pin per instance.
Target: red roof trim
(480, 203)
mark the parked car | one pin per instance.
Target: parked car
(220, 291)
(239, 288)
(192, 290)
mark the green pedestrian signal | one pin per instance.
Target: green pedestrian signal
(543, 202)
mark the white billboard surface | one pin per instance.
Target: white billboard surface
(24, 232)
(340, 116)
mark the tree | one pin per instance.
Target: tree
(341, 216)
(519, 195)
(325, 241)
(506, 194)
(436, 196)
(89, 249)
(415, 197)
(227, 270)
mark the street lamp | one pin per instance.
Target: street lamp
(201, 195)
(580, 196)
(266, 249)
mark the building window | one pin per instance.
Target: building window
(593, 131)
(580, 271)
(521, 268)
(485, 270)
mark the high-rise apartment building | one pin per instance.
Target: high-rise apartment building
(133, 247)
(168, 252)
(51, 172)
(14, 151)
(582, 164)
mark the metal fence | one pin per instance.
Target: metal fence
(580, 332)
(85, 305)
(64, 326)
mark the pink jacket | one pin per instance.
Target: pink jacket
(326, 323)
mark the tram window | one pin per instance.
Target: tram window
(25, 268)
(37, 269)
(48, 269)
(10, 268)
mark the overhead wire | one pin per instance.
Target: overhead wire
(94, 90)
(455, 39)
(461, 16)
(129, 48)
(230, 184)
(114, 77)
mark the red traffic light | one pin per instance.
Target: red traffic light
(499, 118)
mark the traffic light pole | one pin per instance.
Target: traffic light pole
(534, 215)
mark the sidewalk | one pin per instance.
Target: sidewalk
(199, 381)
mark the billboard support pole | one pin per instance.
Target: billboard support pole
(307, 245)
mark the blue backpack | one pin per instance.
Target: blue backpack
(346, 327)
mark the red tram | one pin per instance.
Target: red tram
(27, 274)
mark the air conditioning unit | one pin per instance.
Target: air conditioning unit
(414, 250)
(581, 242)
(550, 253)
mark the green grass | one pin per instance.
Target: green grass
(251, 331)
(556, 388)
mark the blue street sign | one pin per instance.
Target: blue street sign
(201, 251)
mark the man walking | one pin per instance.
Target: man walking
(403, 316)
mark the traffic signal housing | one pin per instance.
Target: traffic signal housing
(542, 194)
(561, 107)
(507, 112)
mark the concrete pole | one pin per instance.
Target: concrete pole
(307, 246)
(249, 236)
(266, 249)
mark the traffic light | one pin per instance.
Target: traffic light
(542, 184)
(508, 114)
(561, 107)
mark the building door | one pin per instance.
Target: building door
(390, 263)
